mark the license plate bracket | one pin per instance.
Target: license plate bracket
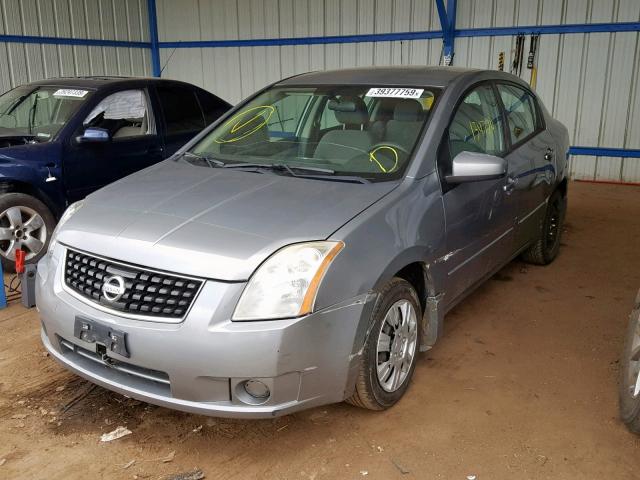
(90, 331)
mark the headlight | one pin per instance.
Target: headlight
(68, 213)
(285, 285)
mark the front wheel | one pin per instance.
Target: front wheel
(389, 355)
(26, 224)
(545, 247)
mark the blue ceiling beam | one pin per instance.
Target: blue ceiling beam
(271, 42)
(605, 152)
(550, 29)
(89, 42)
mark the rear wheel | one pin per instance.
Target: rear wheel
(545, 248)
(629, 384)
(389, 356)
(26, 224)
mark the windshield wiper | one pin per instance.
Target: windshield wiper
(212, 162)
(314, 172)
(280, 167)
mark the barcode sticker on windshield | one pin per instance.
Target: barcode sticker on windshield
(395, 92)
(70, 92)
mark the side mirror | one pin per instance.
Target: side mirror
(474, 167)
(94, 135)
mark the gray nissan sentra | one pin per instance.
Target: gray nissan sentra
(303, 249)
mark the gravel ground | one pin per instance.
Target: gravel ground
(522, 386)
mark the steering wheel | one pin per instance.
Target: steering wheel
(391, 147)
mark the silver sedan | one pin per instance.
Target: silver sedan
(306, 247)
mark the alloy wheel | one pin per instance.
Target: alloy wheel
(397, 341)
(21, 228)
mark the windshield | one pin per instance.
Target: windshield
(342, 130)
(39, 113)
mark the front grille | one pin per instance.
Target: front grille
(147, 293)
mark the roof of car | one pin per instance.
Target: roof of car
(95, 81)
(400, 75)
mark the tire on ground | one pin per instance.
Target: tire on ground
(368, 393)
(628, 404)
(541, 252)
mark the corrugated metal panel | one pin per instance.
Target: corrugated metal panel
(589, 81)
(98, 19)
(234, 73)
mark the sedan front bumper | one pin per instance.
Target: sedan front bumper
(200, 365)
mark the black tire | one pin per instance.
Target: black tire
(546, 246)
(628, 404)
(9, 200)
(369, 392)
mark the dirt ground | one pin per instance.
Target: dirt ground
(522, 386)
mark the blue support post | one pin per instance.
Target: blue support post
(153, 36)
(3, 295)
(442, 14)
(450, 33)
(448, 24)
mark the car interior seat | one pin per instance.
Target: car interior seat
(408, 118)
(133, 130)
(339, 146)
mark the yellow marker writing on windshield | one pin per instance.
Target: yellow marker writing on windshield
(238, 123)
(372, 158)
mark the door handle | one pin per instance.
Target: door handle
(510, 186)
(549, 155)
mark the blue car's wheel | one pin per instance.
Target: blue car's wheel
(25, 224)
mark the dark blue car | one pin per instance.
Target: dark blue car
(61, 139)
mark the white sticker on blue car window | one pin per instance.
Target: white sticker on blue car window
(395, 92)
(70, 92)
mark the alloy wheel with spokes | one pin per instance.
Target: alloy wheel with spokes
(388, 357)
(23, 228)
(396, 348)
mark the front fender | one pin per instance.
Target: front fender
(24, 169)
(405, 227)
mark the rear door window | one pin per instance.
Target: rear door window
(522, 114)
(181, 110)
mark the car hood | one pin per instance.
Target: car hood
(211, 222)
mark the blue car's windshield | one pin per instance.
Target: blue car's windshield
(363, 131)
(39, 113)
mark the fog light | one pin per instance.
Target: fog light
(257, 389)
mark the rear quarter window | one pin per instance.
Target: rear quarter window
(212, 106)
(181, 110)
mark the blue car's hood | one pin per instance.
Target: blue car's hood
(214, 223)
